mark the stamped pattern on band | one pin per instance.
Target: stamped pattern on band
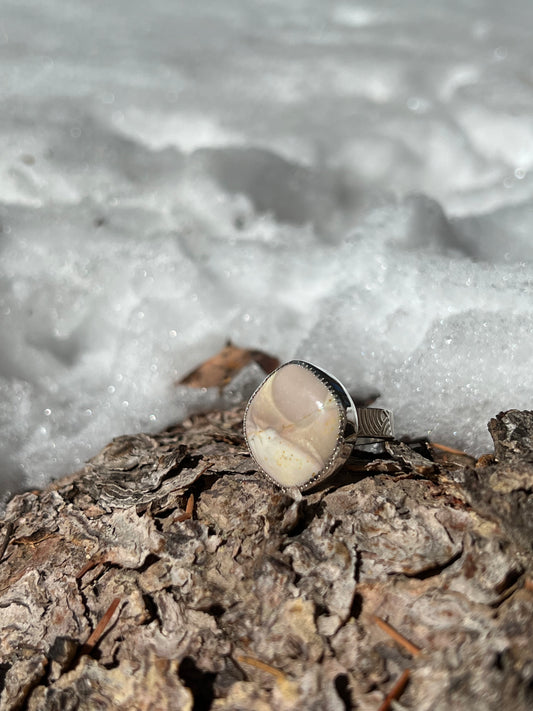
(374, 422)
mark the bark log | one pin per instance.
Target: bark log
(120, 591)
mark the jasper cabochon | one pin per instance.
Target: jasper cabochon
(293, 425)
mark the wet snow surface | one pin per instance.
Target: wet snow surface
(346, 183)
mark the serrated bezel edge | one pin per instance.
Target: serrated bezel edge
(342, 448)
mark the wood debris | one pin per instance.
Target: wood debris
(236, 595)
(396, 691)
(100, 627)
(397, 637)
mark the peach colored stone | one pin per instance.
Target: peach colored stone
(293, 425)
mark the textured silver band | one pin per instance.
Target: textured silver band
(374, 423)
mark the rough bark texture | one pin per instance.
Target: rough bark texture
(262, 601)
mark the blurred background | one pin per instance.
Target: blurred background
(345, 182)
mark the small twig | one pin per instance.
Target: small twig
(92, 563)
(450, 450)
(397, 637)
(397, 706)
(34, 539)
(100, 627)
(396, 691)
(188, 510)
(258, 664)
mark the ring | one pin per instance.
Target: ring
(301, 424)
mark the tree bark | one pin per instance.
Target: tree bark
(168, 574)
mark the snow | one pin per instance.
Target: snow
(347, 183)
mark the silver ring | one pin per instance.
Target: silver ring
(301, 424)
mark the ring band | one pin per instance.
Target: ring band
(301, 424)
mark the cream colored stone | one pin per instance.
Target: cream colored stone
(293, 425)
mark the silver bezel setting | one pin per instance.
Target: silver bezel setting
(348, 418)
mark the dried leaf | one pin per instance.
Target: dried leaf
(219, 370)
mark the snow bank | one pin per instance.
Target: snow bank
(350, 184)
